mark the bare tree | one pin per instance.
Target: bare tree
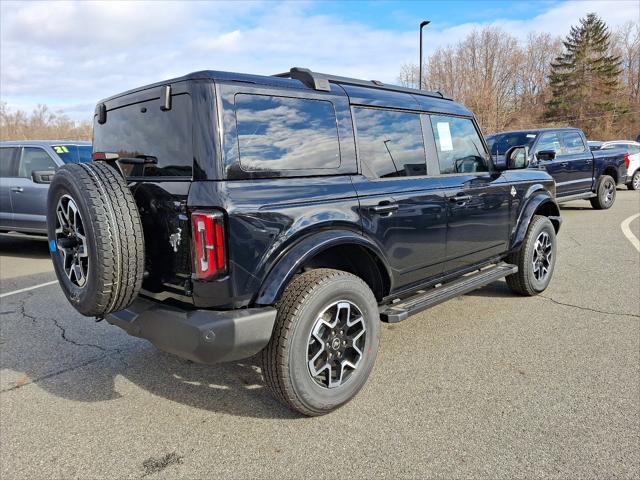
(41, 124)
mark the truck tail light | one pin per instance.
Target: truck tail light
(209, 257)
(626, 159)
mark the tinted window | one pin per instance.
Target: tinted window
(6, 161)
(278, 133)
(572, 142)
(549, 141)
(34, 159)
(73, 153)
(501, 142)
(459, 147)
(390, 144)
(144, 130)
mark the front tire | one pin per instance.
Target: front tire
(605, 193)
(634, 184)
(324, 343)
(536, 258)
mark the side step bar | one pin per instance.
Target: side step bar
(401, 310)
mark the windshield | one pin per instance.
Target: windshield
(73, 153)
(501, 142)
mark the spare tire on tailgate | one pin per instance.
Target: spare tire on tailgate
(95, 238)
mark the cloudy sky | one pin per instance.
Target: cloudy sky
(70, 54)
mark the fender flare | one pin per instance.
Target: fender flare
(306, 248)
(536, 200)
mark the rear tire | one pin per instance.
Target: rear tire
(605, 193)
(536, 258)
(306, 371)
(95, 238)
(634, 184)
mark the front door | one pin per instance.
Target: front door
(558, 168)
(402, 209)
(29, 199)
(477, 199)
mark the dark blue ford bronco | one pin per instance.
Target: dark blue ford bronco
(228, 215)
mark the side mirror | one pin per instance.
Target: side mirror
(517, 157)
(546, 155)
(42, 176)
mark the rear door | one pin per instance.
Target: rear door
(477, 199)
(29, 199)
(578, 162)
(402, 208)
(558, 167)
(7, 173)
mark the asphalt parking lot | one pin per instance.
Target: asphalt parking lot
(489, 385)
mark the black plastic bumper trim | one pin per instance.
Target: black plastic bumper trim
(203, 336)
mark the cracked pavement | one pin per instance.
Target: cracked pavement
(488, 385)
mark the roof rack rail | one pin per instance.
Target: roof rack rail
(320, 81)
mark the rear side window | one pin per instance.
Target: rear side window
(390, 143)
(144, 130)
(7, 158)
(282, 133)
(459, 147)
(572, 143)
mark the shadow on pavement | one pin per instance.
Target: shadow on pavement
(12, 245)
(233, 388)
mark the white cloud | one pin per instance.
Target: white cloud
(71, 54)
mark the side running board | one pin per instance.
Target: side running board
(401, 310)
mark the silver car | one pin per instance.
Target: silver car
(26, 169)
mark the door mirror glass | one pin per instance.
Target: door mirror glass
(42, 176)
(546, 155)
(517, 157)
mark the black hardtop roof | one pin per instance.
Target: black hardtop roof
(533, 130)
(296, 78)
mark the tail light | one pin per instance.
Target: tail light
(626, 159)
(209, 257)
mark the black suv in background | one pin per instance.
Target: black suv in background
(228, 215)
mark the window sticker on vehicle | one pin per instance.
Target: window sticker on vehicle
(531, 135)
(60, 149)
(444, 135)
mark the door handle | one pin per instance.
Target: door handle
(564, 164)
(588, 161)
(460, 198)
(384, 208)
(17, 189)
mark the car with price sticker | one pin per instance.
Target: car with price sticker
(26, 170)
(227, 215)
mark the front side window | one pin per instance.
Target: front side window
(143, 130)
(34, 159)
(282, 133)
(572, 143)
(549, 141)
(73, 153)
(459, 147)
(390, 143)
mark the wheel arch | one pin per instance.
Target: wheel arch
(341, 250)
(540, 203)
(612, 172)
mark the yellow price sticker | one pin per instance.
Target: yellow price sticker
(61, 149)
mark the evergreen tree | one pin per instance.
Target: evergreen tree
(584, 79)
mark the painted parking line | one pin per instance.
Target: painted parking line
(628, 233)
(15, 292)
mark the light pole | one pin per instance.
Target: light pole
(423, 24)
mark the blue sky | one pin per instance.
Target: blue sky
(71, 54)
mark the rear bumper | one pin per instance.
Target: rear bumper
(203, 336)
